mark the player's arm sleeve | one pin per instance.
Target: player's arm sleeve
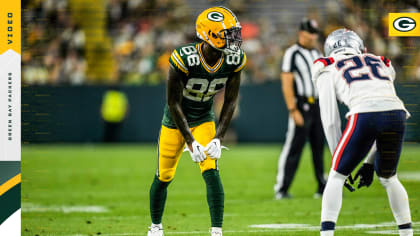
(242, 62)
(287, 61)
(177, 63)
(330, 114)
(389, 69)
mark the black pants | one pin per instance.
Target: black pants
(295, 141)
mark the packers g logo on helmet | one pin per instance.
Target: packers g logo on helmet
(220, 28)
(215, 16)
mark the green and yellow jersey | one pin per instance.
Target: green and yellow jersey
(202, 82)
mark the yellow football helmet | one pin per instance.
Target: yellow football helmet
(220, 28)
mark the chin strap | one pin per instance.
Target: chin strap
(227, 51)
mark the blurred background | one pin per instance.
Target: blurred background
(95, 70)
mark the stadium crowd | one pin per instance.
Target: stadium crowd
(143, 34)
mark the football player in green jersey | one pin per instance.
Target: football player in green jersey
(198, 71)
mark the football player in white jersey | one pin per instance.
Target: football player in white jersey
(375, 126)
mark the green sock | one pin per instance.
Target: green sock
(157, 199)
(215, 196)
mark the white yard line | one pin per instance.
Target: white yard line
(227, 231)
(388, 232)
(306, 227)
(30, 207)
(282, 228)
(409, 175)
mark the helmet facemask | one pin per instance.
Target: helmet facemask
(233, 40)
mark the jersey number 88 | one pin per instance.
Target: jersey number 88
(192, 57)
(201, 90)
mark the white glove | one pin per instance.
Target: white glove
(214, 149)
(197, 154)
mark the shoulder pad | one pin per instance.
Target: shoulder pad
(325, 60)
(242, 61)
(178, 57)
(385, 60)
(319, 68)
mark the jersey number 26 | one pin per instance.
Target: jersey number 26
(357, 64)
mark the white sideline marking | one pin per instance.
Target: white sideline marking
(117, 234)
(30, 207)
(186, 233)
(224, 231)
(122, 234)
(409, 175)
(306, 227)
(283, 228)
(392, 232)
(368, 226)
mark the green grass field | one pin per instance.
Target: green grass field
(103, 190)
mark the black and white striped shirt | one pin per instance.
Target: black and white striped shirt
(298, 60)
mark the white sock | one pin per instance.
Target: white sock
(398, 199)
(216, 229)
(157, 225)
(332, 197)
(405, 232)
(327, 233)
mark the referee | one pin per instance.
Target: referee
(301, 99)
